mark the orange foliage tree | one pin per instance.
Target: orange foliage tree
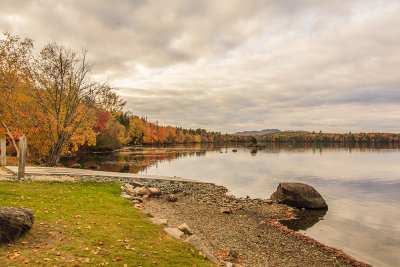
(50, 97)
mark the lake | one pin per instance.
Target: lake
(361, 185)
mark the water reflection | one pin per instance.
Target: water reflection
(139, 159)
(305, 219)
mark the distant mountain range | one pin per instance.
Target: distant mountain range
(266, 131)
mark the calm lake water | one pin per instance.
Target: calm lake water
(360, 184)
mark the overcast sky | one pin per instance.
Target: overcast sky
(234, 65)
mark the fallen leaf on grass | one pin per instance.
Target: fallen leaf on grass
(83, 259)
(13, 256)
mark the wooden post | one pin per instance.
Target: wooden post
(3, 152)
(22, 157)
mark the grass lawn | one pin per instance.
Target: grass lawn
(87, 223)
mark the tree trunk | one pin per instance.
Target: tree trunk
(55, 155)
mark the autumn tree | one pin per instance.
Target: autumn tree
(66, 99)
(15, 63)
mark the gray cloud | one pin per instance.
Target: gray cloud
(235, 65)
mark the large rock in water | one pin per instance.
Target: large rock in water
(14, 222)
(299, 195)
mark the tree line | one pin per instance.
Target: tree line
(123, 128)
(304, 137)
(52, 98)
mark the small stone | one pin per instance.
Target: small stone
(137, 184)
(129, 189)
(138, 206)
(124, 195)
(141, 191)
(185, 228)
(225, 210)
(174, 232)
(138, 199)
(154, 191)
(159, 221)
(172, 198)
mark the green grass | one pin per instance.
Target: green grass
(87, 223)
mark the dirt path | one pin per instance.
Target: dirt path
(4, 173)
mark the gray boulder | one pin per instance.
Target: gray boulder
(14, 222)
(299, 195)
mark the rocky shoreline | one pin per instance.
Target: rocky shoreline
(238, 230)
(241, 231)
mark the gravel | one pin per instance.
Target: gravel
(251, 235)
